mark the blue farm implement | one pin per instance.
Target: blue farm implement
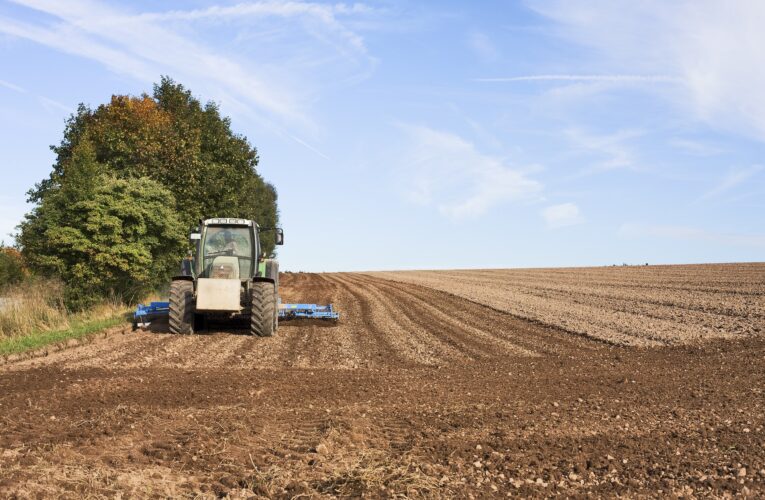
(307, 311)
(144, 315)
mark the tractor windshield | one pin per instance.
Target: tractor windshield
(227, 252)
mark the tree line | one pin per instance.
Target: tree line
(130, 179)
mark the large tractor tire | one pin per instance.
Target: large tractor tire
(263, 307)
(181, 319)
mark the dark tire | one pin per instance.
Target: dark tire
(277, 302)
(272, 271)
(181, 319)
(263, 305)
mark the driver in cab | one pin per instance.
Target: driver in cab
(229, 245)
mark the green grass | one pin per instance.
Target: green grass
(35, 340)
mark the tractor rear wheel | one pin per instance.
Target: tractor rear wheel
(181, 307)
(263, 305)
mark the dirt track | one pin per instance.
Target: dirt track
(414, 392)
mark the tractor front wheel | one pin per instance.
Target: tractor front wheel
(181, 307)
(263, 309)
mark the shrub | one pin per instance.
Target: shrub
(11, 267)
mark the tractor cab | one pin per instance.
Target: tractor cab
(226, 250)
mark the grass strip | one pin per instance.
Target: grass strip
(36, 340)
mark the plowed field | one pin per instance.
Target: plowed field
(641, 306)
(417, 391)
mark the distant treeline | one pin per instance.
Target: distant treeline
(131, 178)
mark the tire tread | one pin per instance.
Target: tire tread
(181, 317)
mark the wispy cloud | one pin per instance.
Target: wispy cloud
(448, 172)
(12, 86)
(46, 102)
(731, 180)
(326, 15)
(584, 78)
(279, 85)
(609, 151)
(696, 148)
(713, 48)
(687, 233)
(482, 46)
(52, 105)
(563, 215)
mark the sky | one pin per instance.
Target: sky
(432, 135)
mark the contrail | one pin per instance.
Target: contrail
(586, 78)
(308, 146)
(11, 86)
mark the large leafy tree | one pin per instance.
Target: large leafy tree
(172, 138)
(102, 235)
(131, 178)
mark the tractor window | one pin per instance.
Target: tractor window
(228, 242)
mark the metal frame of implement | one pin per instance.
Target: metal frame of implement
(155, 310)
(307, 311)
(146, 314)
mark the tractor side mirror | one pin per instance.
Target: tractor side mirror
(279, 236)
(195, 236)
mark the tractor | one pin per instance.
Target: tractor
(226, 276)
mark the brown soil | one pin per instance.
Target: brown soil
(414, 392)
(631, 305)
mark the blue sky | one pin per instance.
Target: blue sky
(437, 134)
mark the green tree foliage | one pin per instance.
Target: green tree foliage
(187, 147)
(11, 266)
(131, 178)
(102, 235)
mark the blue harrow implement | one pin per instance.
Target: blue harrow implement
(158, 310)
(146, 314)
(307, 311)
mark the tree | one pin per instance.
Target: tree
(11, 266)
(102, 235)
(172, 138)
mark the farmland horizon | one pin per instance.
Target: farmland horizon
(499, 268)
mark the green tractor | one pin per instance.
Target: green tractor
(227, 277)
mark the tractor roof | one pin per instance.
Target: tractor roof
(223, 221)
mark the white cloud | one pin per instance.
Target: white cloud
(696, 148)
(690, 234)
(308, 48)
(731, 180)
(447, 171)
(610, 151)
(483, 47)
(327, 15)
(713, 47)
(584, 78)
(565, 214)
